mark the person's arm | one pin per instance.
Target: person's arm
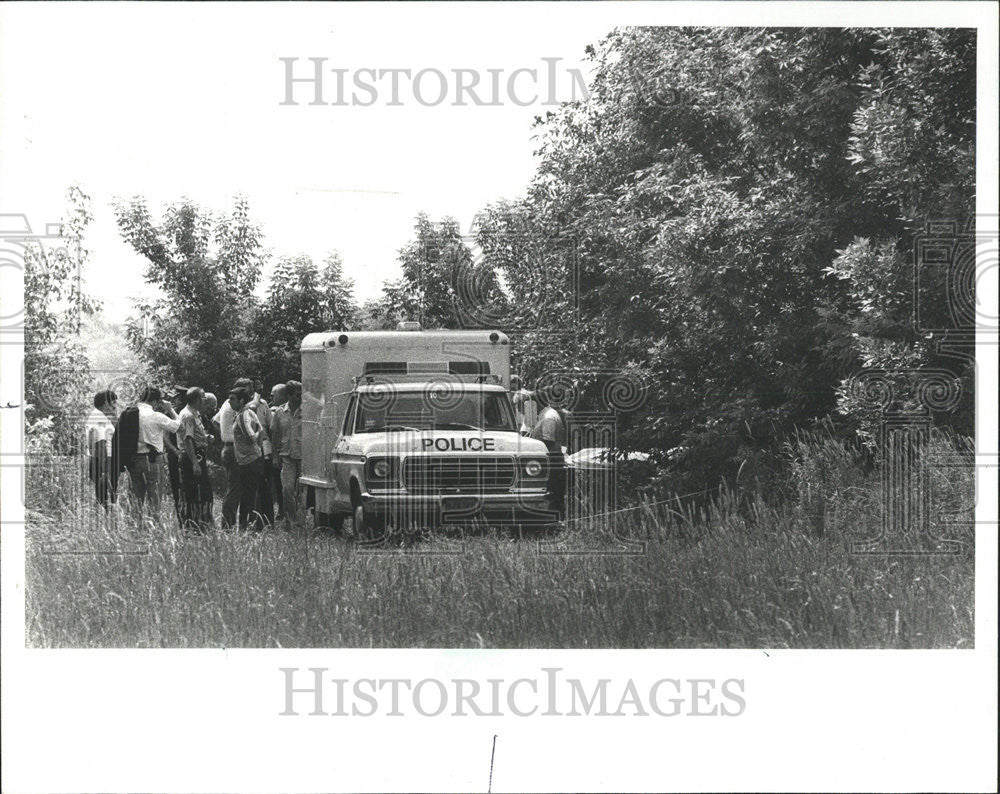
(217, 423)
(189, 449)
(165, 423)
(256, 428)
(276, 438)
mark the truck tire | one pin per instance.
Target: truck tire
(366, 525)
(329, 521)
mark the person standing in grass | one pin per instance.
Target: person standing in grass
(144, 470)
(209, 406)
(278, 400)
(551, 430)
(288, 446)
(100, 428)
(172, 447)
(257, 404)
(231, 501)
(196, 507)
(248, 435)
(525, 407)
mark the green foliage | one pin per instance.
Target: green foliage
(207, 267)
(441, 286)
(56, 370)
(302, 298)
(741, 207)
(395, 304)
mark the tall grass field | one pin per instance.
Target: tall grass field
(736, 571)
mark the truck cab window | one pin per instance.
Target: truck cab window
(348, 428)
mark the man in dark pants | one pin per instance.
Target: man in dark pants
(196, 507)
(248, 434)
(209, 407)
(231, 501)
(100, 427)
(155, 422)
(260, 408)
(172, 447)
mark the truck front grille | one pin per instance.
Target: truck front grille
(459, 474)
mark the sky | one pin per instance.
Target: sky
(186, 100)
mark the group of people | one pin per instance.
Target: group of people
(259, 446)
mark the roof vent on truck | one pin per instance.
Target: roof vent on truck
(407, 325)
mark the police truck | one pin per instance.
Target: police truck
(412, 426)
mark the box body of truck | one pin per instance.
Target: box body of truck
(404, 425)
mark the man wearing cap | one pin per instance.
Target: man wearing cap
(257, 404)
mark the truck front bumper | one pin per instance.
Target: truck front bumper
(519, 507)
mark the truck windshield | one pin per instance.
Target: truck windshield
(419, 411)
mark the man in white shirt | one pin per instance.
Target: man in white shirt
(100, 430)
(525, 406)
(231, 501)
(278, 400)
(551, 430)
(259, 406)
(145, 469)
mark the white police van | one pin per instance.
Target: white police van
(410, 425)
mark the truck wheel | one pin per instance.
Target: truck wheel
(366, 526)
(330, 521)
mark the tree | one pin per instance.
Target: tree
(442, 286)
(207, 267)
(302, 298)
(733, 199)
(912, 143)
(56, 370)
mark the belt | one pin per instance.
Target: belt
(227, 443)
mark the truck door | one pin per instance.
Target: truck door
(341, 459)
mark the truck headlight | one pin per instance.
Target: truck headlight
(532, 468)
(380, 471)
